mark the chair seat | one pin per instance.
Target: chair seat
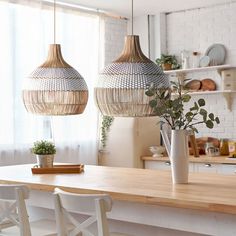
(38, 228)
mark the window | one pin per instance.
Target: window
(26, 32)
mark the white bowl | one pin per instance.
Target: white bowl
(157, 151)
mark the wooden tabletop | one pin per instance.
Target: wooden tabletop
(210, 192)
(201, 159)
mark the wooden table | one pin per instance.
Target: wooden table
(207, 205)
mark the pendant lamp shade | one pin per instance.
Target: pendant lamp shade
(121, 85)
(55, 88)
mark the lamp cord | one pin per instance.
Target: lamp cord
(132, 18)
(54, 21)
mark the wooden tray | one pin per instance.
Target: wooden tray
(59, 169)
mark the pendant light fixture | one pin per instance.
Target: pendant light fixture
(55, 88)
(121, 85)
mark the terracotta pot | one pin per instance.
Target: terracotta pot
(166, 66)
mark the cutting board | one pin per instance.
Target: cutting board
(193, 85)
(208, 85)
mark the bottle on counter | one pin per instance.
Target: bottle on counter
(224, 147)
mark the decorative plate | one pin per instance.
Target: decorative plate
(217, 53)
(204, 61)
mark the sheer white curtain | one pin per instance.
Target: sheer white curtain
(26, 31)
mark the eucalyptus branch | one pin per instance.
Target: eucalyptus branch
(171, 109)
(189, 122)
(167, 120)
(197, 123)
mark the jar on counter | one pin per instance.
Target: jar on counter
(224, 147)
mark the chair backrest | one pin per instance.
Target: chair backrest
(13, 209)
(94, 205)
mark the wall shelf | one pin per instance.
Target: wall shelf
(181, 74)
(200, 69)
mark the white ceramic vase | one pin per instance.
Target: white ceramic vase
(179, 156)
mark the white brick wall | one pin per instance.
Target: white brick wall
(115, 31)
(196, 30)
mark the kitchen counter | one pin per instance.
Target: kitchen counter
(145, 197)
(201, 159)
(218, 192)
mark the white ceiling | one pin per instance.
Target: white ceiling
(145, 7)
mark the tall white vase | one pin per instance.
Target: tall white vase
(179, 156)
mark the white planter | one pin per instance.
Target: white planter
(179, 156)
(45, 160)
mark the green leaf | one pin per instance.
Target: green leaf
(176, 102)
(166, 94)
(203, 112)
(211, 116)
(186, 98)
(201, 102)
(173, 83)
(186, 80)
(188, 114)
(149, 93)
(209, 124)
(194, 129)
(217, 120)
(195, 107)
(153, 103)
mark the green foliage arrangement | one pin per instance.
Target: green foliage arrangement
(171, 108)
(106, 124)
(168, 59)
(43, 147)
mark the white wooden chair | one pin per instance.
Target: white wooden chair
(94, 205)
(13, 214)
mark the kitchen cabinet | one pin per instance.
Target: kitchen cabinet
(206, 167)
(163, 165)
(156, 165)
(227, 169)
(198, 167)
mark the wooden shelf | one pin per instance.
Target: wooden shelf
(200, 69)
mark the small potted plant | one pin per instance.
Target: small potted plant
(168, 62)
(170, 108)
(44, 151)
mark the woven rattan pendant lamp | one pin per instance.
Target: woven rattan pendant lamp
(55, 88)
(121, 85)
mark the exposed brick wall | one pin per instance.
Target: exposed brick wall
(115, 32)
(196, 30)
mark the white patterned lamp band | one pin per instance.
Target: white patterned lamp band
(121, 87)
(55, 88)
